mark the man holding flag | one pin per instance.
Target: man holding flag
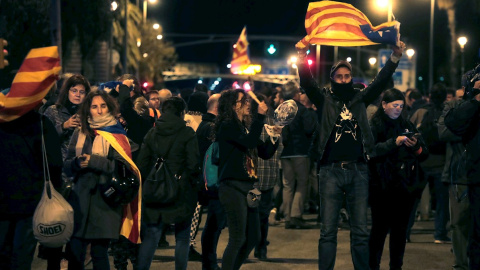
(346, 142)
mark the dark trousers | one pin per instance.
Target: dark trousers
(17, 244)
(264, 211)
(215, 223)
(122, 251)
(460, 224)
(243, 223)
(390, 214)
(474, 243)
(77, 249)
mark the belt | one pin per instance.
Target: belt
(343, 164)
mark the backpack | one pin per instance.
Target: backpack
(429, 130)
(162, 185)
(210, 167)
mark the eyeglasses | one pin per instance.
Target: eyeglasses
(76, 91)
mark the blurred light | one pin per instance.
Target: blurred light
(200, 82)
(229, 65)
(310, 62)
(442, 79)
(271, 49)
(420, 78)
(294, 66)
(234, 46)
(308, 52)
(216, 82)
(410, 53)
(145, 55)
(114, 5)
(462, 41)
(372, 61)
(349, 59)
(246, 86)
(219, 79)
(152, 1)
(145, 84)
(382, 3)
(293, 59)
(156, 26)
(249, 70)
(159, 37)
(235, 85)
(139, 42)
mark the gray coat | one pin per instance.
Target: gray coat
(59, 115)
(93, 217)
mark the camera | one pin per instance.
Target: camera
(468, 81)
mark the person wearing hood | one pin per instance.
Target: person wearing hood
(345, 145)
(181, 144)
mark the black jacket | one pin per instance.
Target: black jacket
(236, 161)
(453, 171)
(171, 131)
(297, 136)
(464, 121)
(330, 107)
(395, 166)
(21, 163)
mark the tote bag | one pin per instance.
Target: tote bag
(53, 217)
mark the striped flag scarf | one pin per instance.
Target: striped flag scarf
(130, 228)
(240, 59)
(339, 24)
(37, 74)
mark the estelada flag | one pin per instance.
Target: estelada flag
(131, 219)
(240, 59)
(37, 74)
(339, 24)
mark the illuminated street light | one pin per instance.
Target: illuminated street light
(145, 55)
(156, 26)
(159, 37)
(372, 61)
(410, 53)
(114, 6)
(199, 81)
(386, 4)
(139, 42)
(293, 59)
(349, 59)
(152, 1)
(229, 65)
(462, 41)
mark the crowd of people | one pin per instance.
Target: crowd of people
(348, 149)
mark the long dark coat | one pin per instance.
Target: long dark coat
(93, 217)
(171, 131)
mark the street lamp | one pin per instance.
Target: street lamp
(372, 61)
(388, 5)
(159, 37)
(462, 41)
(156, 26)
(145, 9)
(349, 59)
(410, 53)
(114, 6)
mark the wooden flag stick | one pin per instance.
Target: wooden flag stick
(253, 96)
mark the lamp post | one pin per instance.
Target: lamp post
(145, 9)
(462, 41)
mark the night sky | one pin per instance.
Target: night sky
(286, 17)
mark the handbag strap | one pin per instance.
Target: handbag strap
(46, 171)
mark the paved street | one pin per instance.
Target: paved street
(297, 249)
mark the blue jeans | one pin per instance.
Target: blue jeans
(335, 183)
(150, 237)
(17, 243)
(216, 221)
(442, 215)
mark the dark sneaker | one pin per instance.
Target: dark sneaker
(194, 255)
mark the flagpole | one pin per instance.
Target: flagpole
(430, 57)
(317, 64)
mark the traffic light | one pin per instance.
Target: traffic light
(271, 48)
(3, 53)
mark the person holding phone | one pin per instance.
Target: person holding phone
(396, 178)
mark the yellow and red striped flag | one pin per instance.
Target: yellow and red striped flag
(240, 59)
(131, 219)
(37, 74)
(339, 24)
